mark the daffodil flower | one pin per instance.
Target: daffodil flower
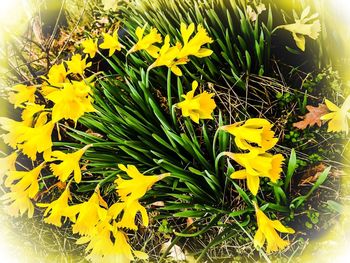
(253, 134)
(129, 209)
(71, 102)
(22, 93)
(17, 203)
(167, 56)
(90, 47)
(267, 232)
(257, 165)
(302, 28)
(90, 214)
(19, 199)
(338, 116)
(111, 42)
(30, 111)
(58, 209)
(102, 249)
(35, 140)
(197, 107)
(77, 64)
(137, 185)
(147, 42)
(7, 164)
(193, 46)
(69, 164)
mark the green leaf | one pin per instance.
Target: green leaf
(292, 165)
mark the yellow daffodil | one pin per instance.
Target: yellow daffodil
(267, 231)
(21, 94)
(7, 164)
(338, 116)
(15, 130)
(26, 181)
(17, 203)
(302, 28)
(71, 102)
(147, 42)
(69, 164)
(56, 75)
(102, 249)
(130, 209)
(77, 64)
(55, 78)
(197, 107)
(257, 165)
(123, 251)
(100, 245)
(111, 42)
(168, 57)
(193, 46)
(36, 140)
(138, 184)
(90, 47)
(31, 111)
(23, 187)
(90, 213)
(58, 209)
(254, 134)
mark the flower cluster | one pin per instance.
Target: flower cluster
(256, 136)
(64, 95)
(96, 222)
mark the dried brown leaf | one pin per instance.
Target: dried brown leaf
(312, 117)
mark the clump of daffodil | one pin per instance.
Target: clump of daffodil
(69, 164)
(257, 165)
(138, 184)
(111, 42)
(147, 42)
(267, 232)
(77, 64)
(302, 28)
(59, 208)
(24, 187)
(71, 102)
(90, 47)
(21, 94)
(197, 107)
(338, 117)
(254, 133)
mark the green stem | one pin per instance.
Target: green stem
(217, 159)
(214, 142)
(168, 85)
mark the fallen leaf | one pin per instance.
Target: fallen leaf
(175, 252)
(311, 175)
(312, 117)
(158, 204)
